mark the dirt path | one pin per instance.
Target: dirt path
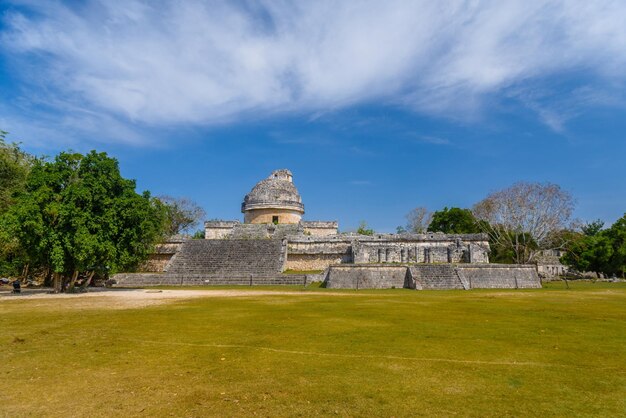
(137, 298)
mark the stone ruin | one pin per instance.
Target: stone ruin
(273, 239)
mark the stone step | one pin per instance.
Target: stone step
(229, 258)
(436, 276)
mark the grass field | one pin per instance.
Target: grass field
(544, 352)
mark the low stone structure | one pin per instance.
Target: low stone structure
(549, 264)
(432, 276)
(273, 238)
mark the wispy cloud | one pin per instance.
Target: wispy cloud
(166, 63)
(361, 183)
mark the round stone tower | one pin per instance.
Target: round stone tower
(273, 200)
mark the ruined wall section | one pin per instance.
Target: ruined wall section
(237, 230)
(500, 276)
(422, 248)
(317, 253)
(219, 229)
(320, 228)
(369, 277)
(160, 258)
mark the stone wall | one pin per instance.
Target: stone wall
(307, 262)
(160, 279)
(237, 230)
(160, 258)
(218, 229)
(317, 253)
(320, 228)
(155, 263)
(368, 277)
(500, 276)
(265, 216)
(422, 248)
(433, 276)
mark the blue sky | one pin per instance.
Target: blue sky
(376, 106)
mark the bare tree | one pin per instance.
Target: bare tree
(418, 220)
(182, 214)
(525, 217)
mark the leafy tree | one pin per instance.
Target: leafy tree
(182, 214)
(598, 250)
(588, 252)
(78, 214)
(199, 234)
(616, 235)
(454, 221)
(15, 164)
(524, 217)
(14, 167)
(592, 228)
(364, 230)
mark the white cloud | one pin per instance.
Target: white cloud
(173, 62)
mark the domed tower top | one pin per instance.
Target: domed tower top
(273, 200)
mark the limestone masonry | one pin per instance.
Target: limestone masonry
(273, 239)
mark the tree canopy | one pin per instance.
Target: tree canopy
(598, 250)
(77, 213)
(454, 221)
(363, 229)
(15, 165)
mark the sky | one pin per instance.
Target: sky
(376, 107)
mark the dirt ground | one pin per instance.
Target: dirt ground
(132, 298)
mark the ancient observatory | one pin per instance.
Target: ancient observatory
(273, 200)
(274, 245)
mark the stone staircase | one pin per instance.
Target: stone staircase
(221, 262)
(436, 276)
(199, 260)
(263, 231)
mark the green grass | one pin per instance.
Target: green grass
(302, 271)
(545, 352)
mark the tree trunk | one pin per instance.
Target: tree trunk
(87, 281)
(73, 281)
(25, 272)
(55, 281)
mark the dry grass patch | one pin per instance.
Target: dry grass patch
(379, 353)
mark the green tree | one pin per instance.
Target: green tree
(78, 214)
(592, 228)
(454, 221)
(598, 250)
(15, 164)
(364, 230)
(588, 253)
(616, 235)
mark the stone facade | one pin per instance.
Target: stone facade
(273, 238)
(219, 229)
(549, 264)
(433, 276)
(320, 228)
(319, 252)
(160, 258)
